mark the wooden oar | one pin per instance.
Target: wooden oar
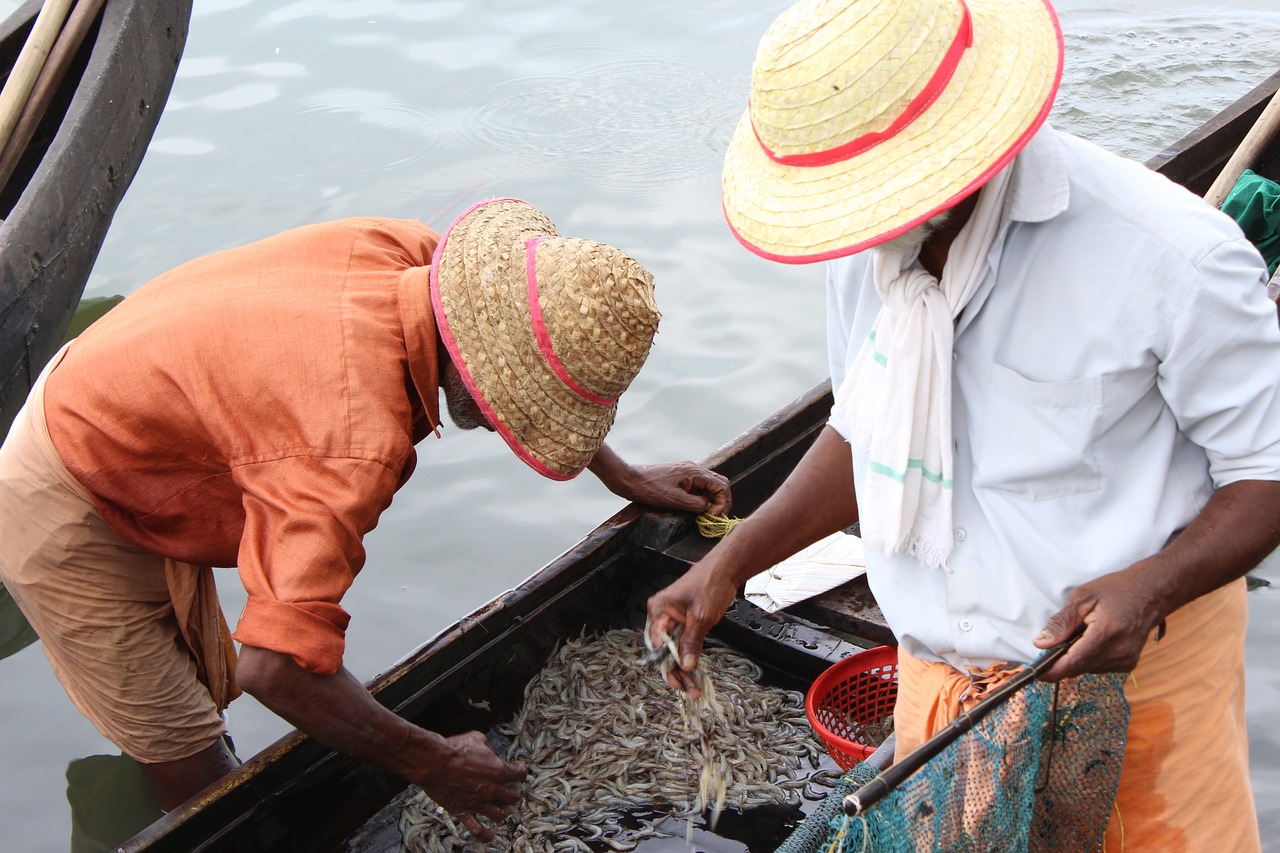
(1254, 142)
(46, 85)
(30, 60)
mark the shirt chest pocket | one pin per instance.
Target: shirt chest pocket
(1037, 442)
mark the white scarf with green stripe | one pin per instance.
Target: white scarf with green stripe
(897, 394)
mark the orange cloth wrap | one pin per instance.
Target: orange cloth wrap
(139, 642)
(1184, 782)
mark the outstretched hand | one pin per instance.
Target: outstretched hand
(461, 773)
(687, 609)
(472, 781)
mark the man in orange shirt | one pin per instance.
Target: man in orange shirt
(258, 408)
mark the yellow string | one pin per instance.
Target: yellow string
(716, 526)
(1120, 824)
(837, 843)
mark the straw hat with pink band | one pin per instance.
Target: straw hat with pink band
(546, 331)
(869, 117)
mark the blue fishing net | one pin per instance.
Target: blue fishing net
(1038, 773)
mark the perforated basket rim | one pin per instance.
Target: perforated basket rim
(845, 752)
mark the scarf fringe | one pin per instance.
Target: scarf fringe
(932, 554)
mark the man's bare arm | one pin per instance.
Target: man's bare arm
(816, 500)
(686, 486)
(1238, 527)
(460, 773)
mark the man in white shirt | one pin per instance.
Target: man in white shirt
(1055, 389)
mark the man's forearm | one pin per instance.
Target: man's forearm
(816, 500)
(1238, 527)
(460, 772)
(611, 470)
(339, 712)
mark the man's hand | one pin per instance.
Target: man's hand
(692, 604)
(815, 500)
(460, 773)
(470, 781)
(1238, 526)
(680, 485)
(685, 486)
(1119, 612)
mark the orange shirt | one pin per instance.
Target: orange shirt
(258, 408)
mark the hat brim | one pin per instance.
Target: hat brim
(1000, 94)
(480, 295)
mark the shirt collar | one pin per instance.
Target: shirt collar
(420, 339)
(1039, 188)
(1038, 191)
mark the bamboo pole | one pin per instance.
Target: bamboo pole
(30, 60)
(46, 85)
(1254, 142)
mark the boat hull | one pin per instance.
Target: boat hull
(61, 199)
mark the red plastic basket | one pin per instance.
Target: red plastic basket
(858, 691)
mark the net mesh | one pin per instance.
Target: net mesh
(1038, 773)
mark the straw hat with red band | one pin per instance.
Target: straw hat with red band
(869, 117)
(546, 331)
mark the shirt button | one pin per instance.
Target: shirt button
(955, 356)
(960, 534)
(966, 624)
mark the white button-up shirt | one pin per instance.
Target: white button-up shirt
(1118, 362)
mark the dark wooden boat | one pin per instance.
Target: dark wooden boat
(82, 157)
(298, 796)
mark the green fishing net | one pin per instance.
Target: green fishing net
(1038, 773)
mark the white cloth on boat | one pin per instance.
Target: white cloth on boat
(896, 396)
(1117, 366)
(823, 566)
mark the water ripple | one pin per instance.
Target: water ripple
(1107, 92)
(650, 119)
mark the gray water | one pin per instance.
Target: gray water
(613, 118)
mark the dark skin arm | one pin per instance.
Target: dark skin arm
(461, 773)
(816, 500)
(686, 486)
(1237, 528)
(677, 485)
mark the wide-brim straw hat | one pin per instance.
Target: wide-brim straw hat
(869, 117)
(546, 331)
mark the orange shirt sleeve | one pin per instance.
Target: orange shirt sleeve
(305, 519)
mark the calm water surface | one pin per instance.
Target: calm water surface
(613, 118)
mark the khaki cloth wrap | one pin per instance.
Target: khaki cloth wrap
(139, 642)
(1184, 782)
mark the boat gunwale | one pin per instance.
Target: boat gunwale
(51, 237)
